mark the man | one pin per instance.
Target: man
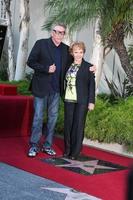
(48, 59)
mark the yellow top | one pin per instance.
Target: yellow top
(71, 75)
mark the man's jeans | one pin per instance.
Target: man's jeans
(50, 104)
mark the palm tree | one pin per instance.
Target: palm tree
(11, 62)
(23, 42)
(18, 72)
(116, 22)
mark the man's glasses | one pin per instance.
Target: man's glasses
(62, 33)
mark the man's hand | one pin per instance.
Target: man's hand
(91, 106)
(93, 69)
(52, 68)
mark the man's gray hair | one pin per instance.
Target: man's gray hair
(58, 24)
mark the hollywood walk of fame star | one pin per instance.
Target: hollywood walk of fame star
(72, 194)
(88, 166)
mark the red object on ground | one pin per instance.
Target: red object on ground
(107, 186)
(7, 89)
(16, 114)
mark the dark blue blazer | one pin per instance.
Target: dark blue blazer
(40, 58)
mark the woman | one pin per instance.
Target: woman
(79, 98)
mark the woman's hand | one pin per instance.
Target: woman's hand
(93, 69)
(91, 106)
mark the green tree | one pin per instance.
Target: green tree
(116, 22)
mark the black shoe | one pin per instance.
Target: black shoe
(66, 155)
(73, 157)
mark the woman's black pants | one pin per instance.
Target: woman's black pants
(74, 124)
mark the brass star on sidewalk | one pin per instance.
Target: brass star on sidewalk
(84, 165)
(88, 166)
